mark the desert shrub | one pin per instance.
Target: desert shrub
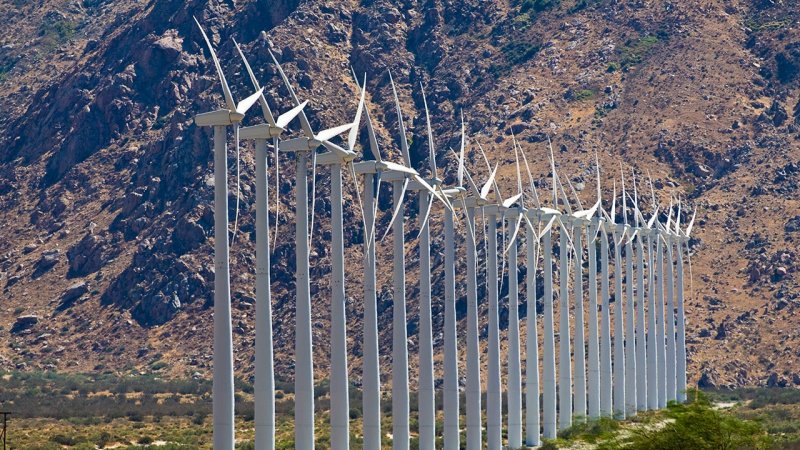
(634, 52)
(537, 5)
(695, 425)
(591, 430)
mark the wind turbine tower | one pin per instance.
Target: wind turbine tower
(222, 384)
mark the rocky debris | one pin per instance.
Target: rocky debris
(48, 260)
(722, 331)
(157, 309)
(89, 255)
(73, 293)
(29, 248)
(776, 380)
(792, 225)
(708, 379)
(187, 236)
(24, 323)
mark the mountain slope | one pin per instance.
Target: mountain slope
(106, 181)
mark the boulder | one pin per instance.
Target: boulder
(72, 294)
(46, 262)
(88, 255)
(157, 309)
(187, 236)
(24, 323)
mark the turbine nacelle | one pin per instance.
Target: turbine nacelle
(220, 117)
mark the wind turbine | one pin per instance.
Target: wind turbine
(679, 243)
(336, 157)
(516, 215)
(647, 388)
(374, 172)
(564, 362)
(594, 340)
(549, 215)
(654, 368)
(666, 236)
(661, 347)
(618, 231)
(304, 364)
(470, 203)
(606, 376)
(532, 413)
(450, 335)
(641, 350)
(629, 341)
(400, 176)
(264, 386)
(222, 385)
(494, 398)
(427, 394)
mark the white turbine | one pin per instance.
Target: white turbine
(619, 331)
(426, 399)
(629, 341)
(669, 317)
(264, 386)
(646, 353)
(641, 345)
(400, 175)
(580, 220)
(594, 339)
(336, 157)
(532, 407)
(304, 364)
(681, 239)
(661, 347)
(222, 385)
(564, 361)
(515, 215)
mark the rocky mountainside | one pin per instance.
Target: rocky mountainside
(106, 184)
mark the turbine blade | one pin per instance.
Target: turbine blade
(426, 216)
(247, 103)
(511, 200)
(514, 234)
(335, 149)
(396, 208)
(488, 186)
(553, 172)
(351, 138)
(624, 199)
(431, 151)
(304, 124)
(373, 140)
(574, 193)
(324, 135)
(352, 172)
(547, 227)
(691, 223)
(225, 89)
(262, 100)
(516, 161)
(288, 116)
(238, 183)
(403, 140)
(313, 195)
(399, 168)
(461, 153)
(530, 179)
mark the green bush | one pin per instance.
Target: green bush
(698, 426)
(537, 5)
(634, 52)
